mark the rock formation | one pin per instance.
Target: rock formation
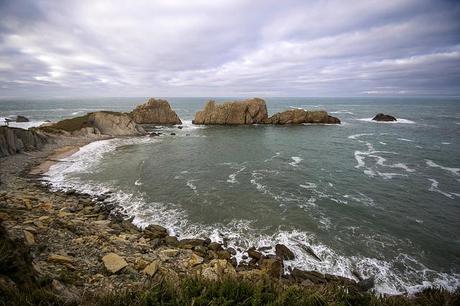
(16, 140)
(22, 119)
(299, 116)
(383, 117)
(233, 113)
(97, 123)
(254, 111)
(155, 112)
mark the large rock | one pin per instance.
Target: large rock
(383, 117)
(299, 116)
(155, 112)
(113, 262)
(96, 123)
(16, 140)
(284, 252)
(233, 113)
(20, 118)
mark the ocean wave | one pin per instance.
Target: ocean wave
(435, 188)
(295, 161)
(232, 177)
(342, 112)
(454, 171)
(273, 157)
(398, 120)
(192, 186)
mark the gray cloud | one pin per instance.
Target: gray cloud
(229, 48)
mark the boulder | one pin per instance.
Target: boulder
(299, 116)
(16, 140)
(22, 119)
(113, 262)
(383, 117)
(155, 231)
(249, 111)
(217, 269)
(60, 259)
(272, 266)
(155, 112)
(313, 276)
(366, 284)
(151, 268)
(284, 252)
(254, 254)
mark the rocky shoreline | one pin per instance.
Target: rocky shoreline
(83, 245)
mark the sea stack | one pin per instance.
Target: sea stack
(249, 111)
(155, 111)
(383, 117)
(254, 111)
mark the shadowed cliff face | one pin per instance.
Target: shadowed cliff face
(16, 140)
(254, 111)
(155, 112)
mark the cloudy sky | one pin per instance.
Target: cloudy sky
(229, 48)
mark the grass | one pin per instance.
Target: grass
(69, 125)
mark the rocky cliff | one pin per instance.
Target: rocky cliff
(155, 112)
(299, 116)
(233, 113)
(16, 140)
(96, 123)
(254, 111)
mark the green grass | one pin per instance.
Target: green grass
(69, 125)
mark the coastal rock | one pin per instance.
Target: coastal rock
(299, 116)
(155, 231)
(60, 259)
(254, 254)
(151, 268)
(366, 284)
(383, 117)
(16, 140)
(96, 123)
(272, 266)
(217, 269)
(284, 252)
(113, 262)
(313, 276)
(20, 118)
(233, 113)
(29, 238)
(155, 112)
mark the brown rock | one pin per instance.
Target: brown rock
(233, 113)
(151, 268)
(155, 231)
(299, 116)
(155, 112)
(254, 254)
(60, 259)
(29, 237)
(313, 276)
(272, 266)
(284, 252)
(113, 262)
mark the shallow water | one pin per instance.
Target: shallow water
(379, 198)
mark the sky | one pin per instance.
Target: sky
(229, 48)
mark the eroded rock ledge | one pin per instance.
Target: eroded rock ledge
(254, 111)
(16, 140)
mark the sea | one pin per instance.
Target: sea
(380, 199)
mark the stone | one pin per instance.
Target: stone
(155, 111)
(217, 269)
(194, 260)
(284, 252)
(224, 254)
(383, 117)
(272, 266)
(155, 231)
(151, 268)
(16, 140)
(232, 251)
(249, 111)
(313, 276)
(171, 241)
(113, 262)
(254, 254)
(215, 246)
(190, 243)
(60, 259)
(29, 237)
(310, 251)
(168, 253)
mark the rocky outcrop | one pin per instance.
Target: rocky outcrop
(250, 111)
(16, 140)
(155, 112)
(383, 117)
(22, 119)
(299, 116)
(96, 123)
(254, 111)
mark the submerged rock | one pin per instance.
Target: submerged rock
(233, 113)
(155, 112)
(383, 117)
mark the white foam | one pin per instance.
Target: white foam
(435, 188)
(26, 125)
(454, 171)
(308, 185)
(273, 157)
(383, 143)
(138, 182)
(342, 112)
(192, 186)
(232, 177)
(398, 120)
(445, 143)
(356, 136)
(296, 161)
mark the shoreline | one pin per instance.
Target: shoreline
(78, 232)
